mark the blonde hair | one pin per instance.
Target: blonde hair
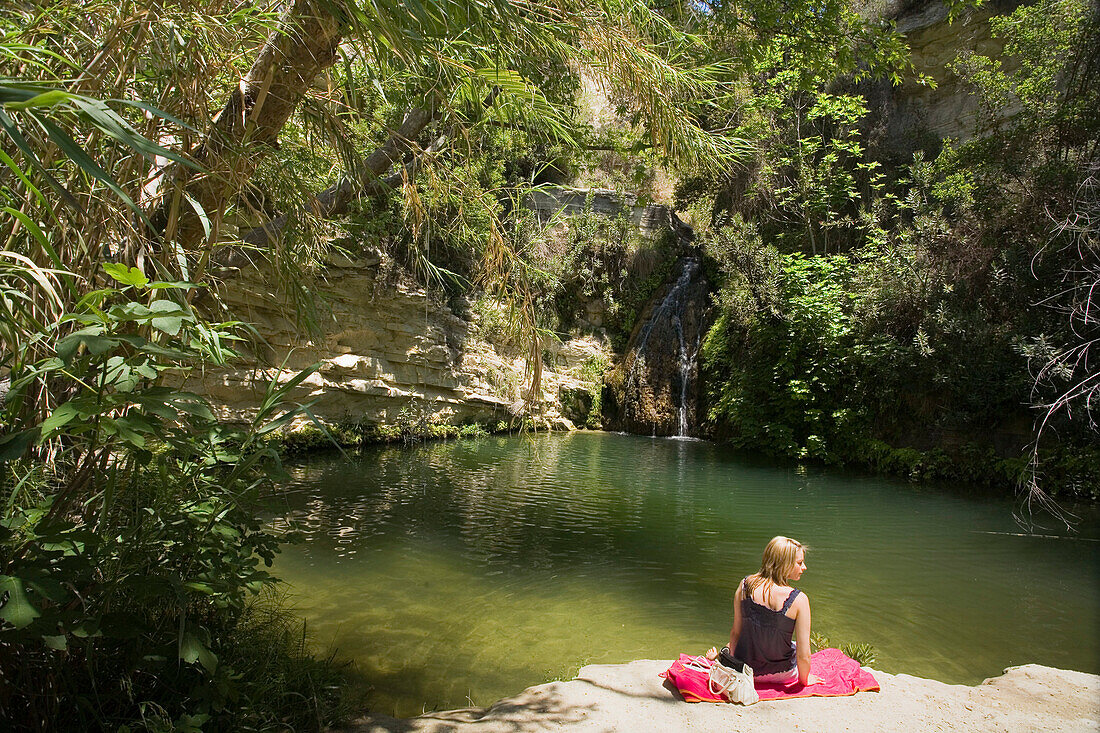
(780, 556)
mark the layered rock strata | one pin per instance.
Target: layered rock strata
(390, 353)
(387, 351)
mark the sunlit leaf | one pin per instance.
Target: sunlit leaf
(126, 275)
(172, 316)
(45, 99)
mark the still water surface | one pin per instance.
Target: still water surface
(462, 572)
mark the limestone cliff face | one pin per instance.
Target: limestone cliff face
(388, 351)
(650, 220)
(917, 116)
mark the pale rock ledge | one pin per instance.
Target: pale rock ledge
(630, 697)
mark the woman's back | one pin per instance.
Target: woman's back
(768, 622)
(773, 596)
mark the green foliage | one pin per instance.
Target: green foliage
(1035, 180)
(813, 182)
(809, 184)
(862, 652)
(602, 263)
(967, 464)
(130, 547)
(925, 333)
(618, 158)
(592, 265)
(416, 422)
(413, 424)
(835, 358)
(593, 371)
(795, 391)
(130, 541)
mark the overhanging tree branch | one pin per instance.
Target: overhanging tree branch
(247, 127)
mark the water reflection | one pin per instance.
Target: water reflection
(472, 569)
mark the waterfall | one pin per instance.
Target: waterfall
(670, 310)
(687, 361)
(673, 304)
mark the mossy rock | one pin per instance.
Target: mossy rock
(576, 404)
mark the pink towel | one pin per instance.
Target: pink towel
(841, 675)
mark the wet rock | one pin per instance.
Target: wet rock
(655, 387)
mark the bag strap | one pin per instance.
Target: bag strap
(699, 664)
(723, 688)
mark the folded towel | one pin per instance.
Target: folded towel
(691, 676)
(841, 675)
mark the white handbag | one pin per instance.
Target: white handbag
(733, 685)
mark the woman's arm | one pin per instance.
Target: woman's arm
(802, 640)
(735, 631)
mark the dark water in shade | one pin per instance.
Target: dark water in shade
(462, 572)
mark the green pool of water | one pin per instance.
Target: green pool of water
(458, 573)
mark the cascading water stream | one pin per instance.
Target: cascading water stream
(687, 361)
(672, 309)
(685, 367)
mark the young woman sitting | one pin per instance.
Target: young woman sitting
(767, 612)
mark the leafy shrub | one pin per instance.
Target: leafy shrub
(863, 653)
(593, 371)
(790, 382)
(130, 546)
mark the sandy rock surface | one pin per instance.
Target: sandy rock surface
(630, 697)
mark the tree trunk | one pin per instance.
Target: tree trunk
(248, 126)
